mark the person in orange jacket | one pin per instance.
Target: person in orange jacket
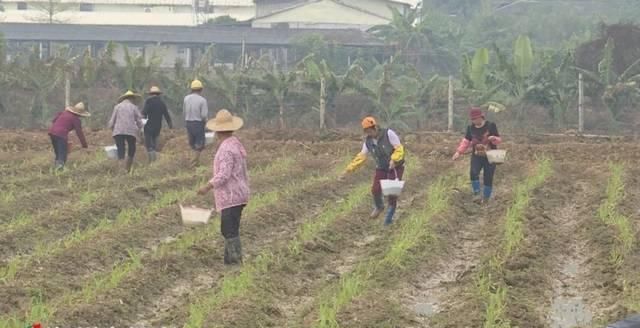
(388, 152)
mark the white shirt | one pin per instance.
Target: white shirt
(393, 139)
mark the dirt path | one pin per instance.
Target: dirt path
(570, 304)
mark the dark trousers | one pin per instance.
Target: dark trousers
(120, 143)
(230, 225)
(196, 134)
(59, 149)
(481, 163)
(151, 139)
(376, 189)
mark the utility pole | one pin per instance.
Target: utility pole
(580, 105)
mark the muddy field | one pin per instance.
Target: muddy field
(93, 247)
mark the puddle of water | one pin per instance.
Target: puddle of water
(570, 312)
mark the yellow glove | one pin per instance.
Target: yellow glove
(357, 162)
(398, 154)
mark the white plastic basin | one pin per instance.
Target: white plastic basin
(112, 152)
(496, 156)
(194, 216)
(391, 187)
(209, 136)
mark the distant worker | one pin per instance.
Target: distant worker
(388, 153)
(196, 112)
(230, 182)
(481, 136)
(63, 123)
(126, 122)
(154, 110)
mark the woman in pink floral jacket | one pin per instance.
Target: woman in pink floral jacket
(230, 182)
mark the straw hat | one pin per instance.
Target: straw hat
(79, 110)
(155, 90)
(224, 121)
(196, 85)
(128, 94)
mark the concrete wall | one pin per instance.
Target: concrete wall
(379, 7)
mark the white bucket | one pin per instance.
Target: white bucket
(194, 215)
(496, 156)
(209, 136)
(112, 152)
(391, 187)
(144, 121)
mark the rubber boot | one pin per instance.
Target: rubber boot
(128, 164)
(388, 219)
(232, 251)
(378, 206)
(152, 156)
(486, 194)
(58, 165)
(475, 188)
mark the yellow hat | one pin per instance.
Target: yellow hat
(196, 85)
(128, 94)
(224, 121)
(155, 90)
(79, 110)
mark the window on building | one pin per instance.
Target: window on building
(22, 6)
(86, 7)
(147, 9)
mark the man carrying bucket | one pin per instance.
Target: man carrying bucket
(230, 182)
(63, 123)
(196, 112)
(481, 136)
(388, 153)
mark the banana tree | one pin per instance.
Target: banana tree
(138, 72)
(278, 85)
(617, 91)
(327, 85)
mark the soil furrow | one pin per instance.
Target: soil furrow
(289, 281)
(72, 267)
(160, 274)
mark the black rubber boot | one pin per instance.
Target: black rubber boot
(232, 251)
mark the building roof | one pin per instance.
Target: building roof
(320, 9)
(225, 3)
(228, 35)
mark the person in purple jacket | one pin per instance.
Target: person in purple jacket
(63, 123)
(230, 182)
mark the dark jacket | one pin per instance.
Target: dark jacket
(382, 149)
(154, 110)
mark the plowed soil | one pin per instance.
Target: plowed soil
(561, 276)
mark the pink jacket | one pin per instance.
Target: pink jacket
(230, 179)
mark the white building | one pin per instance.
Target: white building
(125, 12)
(327, 14)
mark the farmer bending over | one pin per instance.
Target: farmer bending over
(63, 123)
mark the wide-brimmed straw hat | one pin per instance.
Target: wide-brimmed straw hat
(129, 94)
(225, 121)
(79, 110)
(155, 90)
